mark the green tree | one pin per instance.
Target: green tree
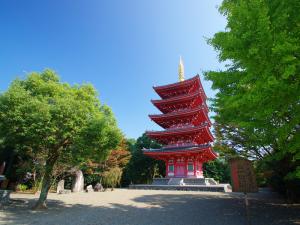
(141, 168)
(118, 158)
(112, 177)
(60, 122)
(258, 101)
(217, 169)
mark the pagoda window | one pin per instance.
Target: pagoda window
(171, 168)
(190, 167)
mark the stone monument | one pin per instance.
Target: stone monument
(78, 182)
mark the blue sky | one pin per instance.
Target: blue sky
(122, 47)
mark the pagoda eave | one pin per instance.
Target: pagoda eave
(176, 84)
(179, 113)
(195, 116)
(205, 154)
(189, 101)
(165, 91)
(178, 99)
(180, 131)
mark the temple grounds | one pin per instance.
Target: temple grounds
(124, 206)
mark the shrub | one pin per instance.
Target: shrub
(112, 177)
(22, 187)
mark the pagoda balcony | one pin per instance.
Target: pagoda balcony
(183, 145)
(200, 134)
(180, 125)
(181, 130)
(183, 102)
(182, 118)
(203, 153)
(179, 148)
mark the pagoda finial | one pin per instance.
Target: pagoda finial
(181, 70)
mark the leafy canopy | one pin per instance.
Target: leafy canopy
(258, 101)
(142, 169)
(43, 114)
(59, 122)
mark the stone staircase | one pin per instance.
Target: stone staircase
(199, 181)
(176, 181)
(184, 181)
(194, 181)
(184, 184)
(160, 181)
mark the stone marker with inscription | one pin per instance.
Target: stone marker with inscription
(242, 175)
(243, 180)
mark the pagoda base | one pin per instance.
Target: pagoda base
(183, 161)
(184, 184)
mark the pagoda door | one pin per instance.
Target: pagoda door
(180, 170)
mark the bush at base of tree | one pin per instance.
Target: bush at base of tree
(112, 177)
(118, 158)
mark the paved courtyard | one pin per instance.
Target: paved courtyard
(149, 207)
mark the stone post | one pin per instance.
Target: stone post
(60, 187)
(78, 182)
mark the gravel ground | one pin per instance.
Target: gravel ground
(155, 207)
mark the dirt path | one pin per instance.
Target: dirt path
(149, 207)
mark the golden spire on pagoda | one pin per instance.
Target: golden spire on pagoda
(180, 70)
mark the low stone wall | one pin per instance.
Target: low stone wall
(4, 196)
(160, 181)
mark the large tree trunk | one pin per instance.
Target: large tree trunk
(41, 203)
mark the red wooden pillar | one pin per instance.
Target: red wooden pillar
(195, 167)
(167, 167)
(185, 166)
(175, 166)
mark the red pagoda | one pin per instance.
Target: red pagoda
(186, 136)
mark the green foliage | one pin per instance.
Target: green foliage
(112, 177)
(142, 169)
(57, 124)
(118, 158)
(91, 179)
(36, 185)
(257, 106)
(217, 169)
(22, 187)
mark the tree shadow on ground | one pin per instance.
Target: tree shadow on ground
(182, 209)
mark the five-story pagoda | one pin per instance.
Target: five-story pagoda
(187, 137)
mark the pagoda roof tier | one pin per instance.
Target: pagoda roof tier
(194, 116)
(191, 101)
(179, 88)
(199, 134)
(201, 152)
